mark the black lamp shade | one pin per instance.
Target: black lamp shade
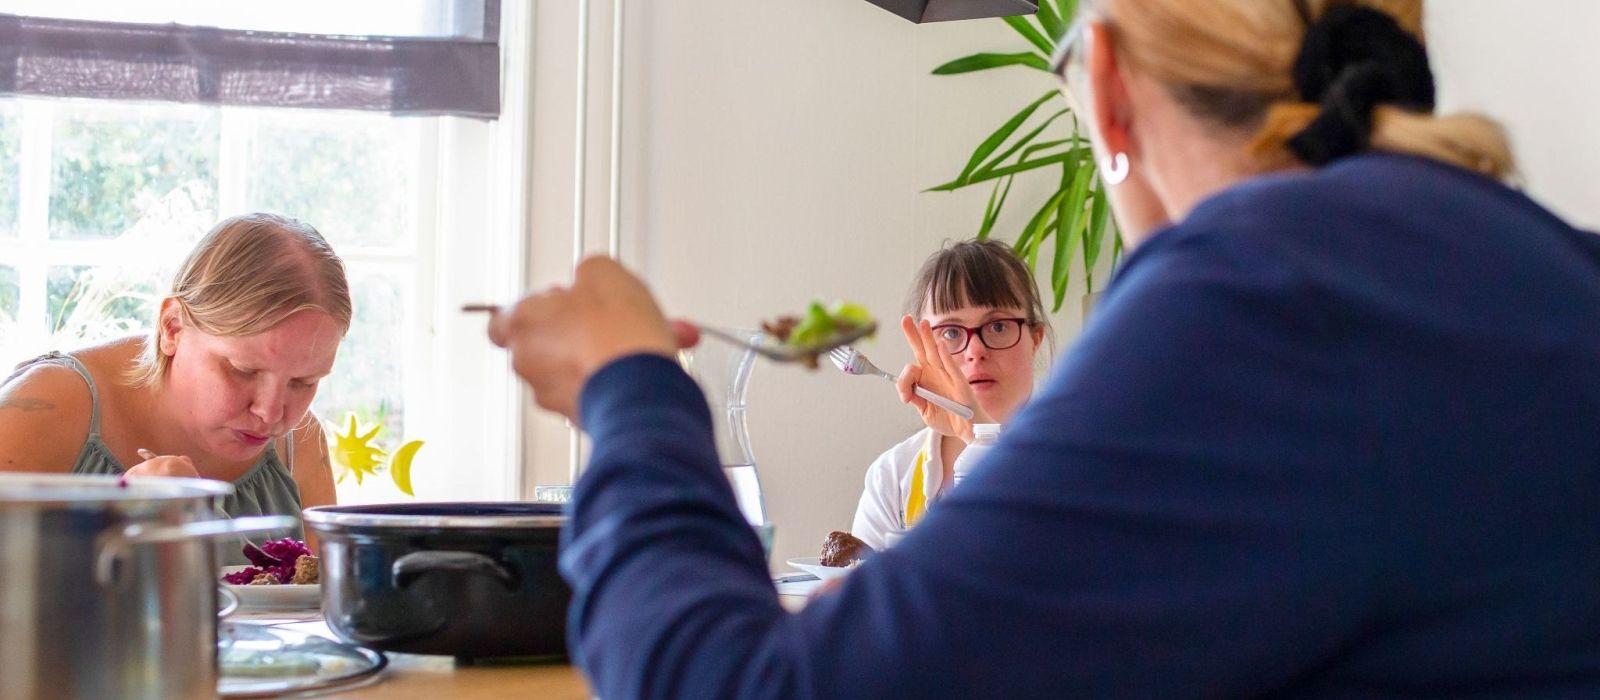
(920, 11)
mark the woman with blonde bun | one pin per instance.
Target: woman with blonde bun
(1330, 433)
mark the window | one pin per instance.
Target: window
(402, 18)
(101, 199)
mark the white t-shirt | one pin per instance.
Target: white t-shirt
(888, 486)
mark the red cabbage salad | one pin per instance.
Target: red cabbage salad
(279, 560)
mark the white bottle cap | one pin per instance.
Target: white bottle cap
(893, 537)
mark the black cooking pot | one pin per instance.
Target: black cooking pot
(469, 580)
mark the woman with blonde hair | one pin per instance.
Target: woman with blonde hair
(1331, 432)
(220, 389)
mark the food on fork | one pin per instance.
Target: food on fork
(844, 549)
(818, 326)
(780, 328)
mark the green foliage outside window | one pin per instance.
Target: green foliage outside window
(10, 292)
(367, 375)
(122, 306)
(10, 173)
(105, 172)
(345, 176)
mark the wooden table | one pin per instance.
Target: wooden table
(414, 676)
(431, 677)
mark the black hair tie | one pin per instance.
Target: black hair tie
(1354, 59)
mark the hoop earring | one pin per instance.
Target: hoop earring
(1114, 170)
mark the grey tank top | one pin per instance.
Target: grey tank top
(266, 489)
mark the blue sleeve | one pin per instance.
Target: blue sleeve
(670, 591)
(1173, 516)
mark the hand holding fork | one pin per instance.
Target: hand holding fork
(852, 361)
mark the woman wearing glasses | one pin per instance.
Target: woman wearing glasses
(975, 328)
(1331, 433)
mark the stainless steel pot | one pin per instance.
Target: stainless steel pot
(110, 591)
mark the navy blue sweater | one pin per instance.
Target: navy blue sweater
(1337, 434)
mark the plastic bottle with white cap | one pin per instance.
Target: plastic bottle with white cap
(984, 437)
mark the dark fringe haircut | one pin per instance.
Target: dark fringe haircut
(977, 273)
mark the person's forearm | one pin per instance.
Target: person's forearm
(649, 620)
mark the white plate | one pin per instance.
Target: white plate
(813, 566)
(289, 596)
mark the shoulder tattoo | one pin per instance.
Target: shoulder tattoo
(27, 404)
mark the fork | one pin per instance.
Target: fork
(250, 548)
(761, 343)
(851, 361)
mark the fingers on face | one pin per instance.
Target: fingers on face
(948, 361)
(931, 348)
(913, 338)
(933, 357)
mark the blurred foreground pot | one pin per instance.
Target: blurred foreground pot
(110, 591)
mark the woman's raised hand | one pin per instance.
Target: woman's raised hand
(936, 371)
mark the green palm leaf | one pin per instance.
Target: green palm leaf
(1000, 135)
(1067, 10)
(1094, 236)
(1026, 139)
(1076, 211)
(991, 213)
(1042, 223)
(1008, 170)
(985, 61)
(1070, 227)
(1029, 32)
(1052, 22)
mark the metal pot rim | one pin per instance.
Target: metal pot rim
(30, 490)
(360, 516)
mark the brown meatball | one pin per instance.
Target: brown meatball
(306, 569)
(841, 548)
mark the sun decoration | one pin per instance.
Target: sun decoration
(354, 453)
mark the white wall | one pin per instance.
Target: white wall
(775, 151)
(1533, 66)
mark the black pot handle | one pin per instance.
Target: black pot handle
(407, 568)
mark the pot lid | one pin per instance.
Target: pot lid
(257, 660)
(475, 515)
(18, 489)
